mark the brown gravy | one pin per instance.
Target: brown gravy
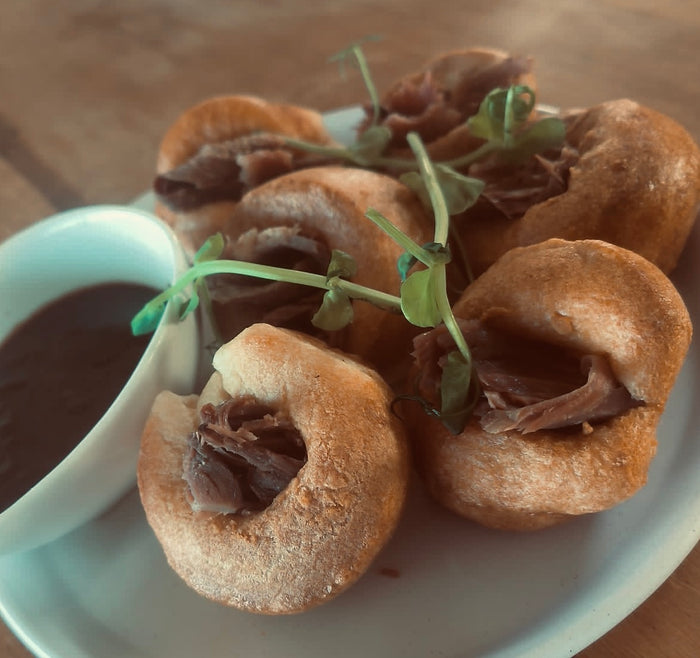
(59, 372)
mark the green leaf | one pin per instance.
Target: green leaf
(545, 134)
(414, 181)
(418, 302)
(502, 108)
(484, 125)
(341, 265)
(187, 306)
(147, 319)
(460, 192)
(370, 145)
(455, 386)
(456, 391)
(335, 312)
(522, 102)
(212, 248)
(405, 262)
(437, 253)
(336, 309)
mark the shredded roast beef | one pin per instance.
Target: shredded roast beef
(227, 170)
(470, 91)
(527, 384)
(599, 398)
(242, 455)
(239, 301)
(433, 110)
(513, 189)
(422, 108)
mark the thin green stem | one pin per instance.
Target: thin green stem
(509, 118)
(356, 51)
(437, 199)
(448, 317)
(442, 228)
(473, 156)
(396, 234)
(382, 162)
(331, 152)
(347, 154)
(208, 268)
(205, 303)
(367, 77)
(380, 299)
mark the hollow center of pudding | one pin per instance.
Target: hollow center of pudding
(511, 189)
(527, 384)
(242, 455)
(224, 171)
(239, 301)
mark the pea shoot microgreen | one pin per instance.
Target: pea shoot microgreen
(355, 55)
(190, 281)
(503, 121)
(424, 300)
(336, 309)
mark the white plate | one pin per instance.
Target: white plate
(458, 590)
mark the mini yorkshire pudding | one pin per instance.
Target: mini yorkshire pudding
(626, 174)
(296, 221)
(220, 148)
(275, 489)
(576, 346)
(436, 100)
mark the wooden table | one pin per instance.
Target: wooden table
(88, 88)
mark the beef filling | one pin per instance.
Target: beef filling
(512, 189)
(527, 384)
(432, 110)
(242, 455)
(239, 301)
(225, 171)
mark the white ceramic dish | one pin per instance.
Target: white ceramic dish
(442, 587)
(77, 248)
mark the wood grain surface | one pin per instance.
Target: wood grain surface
(88, 87)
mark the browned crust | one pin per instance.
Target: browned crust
(194, 227)
(323, 531)
(512, 481)
(215, 120)
(332, 202)
(451, 66)
(636, 184)
(586, 295)
(226, 117)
